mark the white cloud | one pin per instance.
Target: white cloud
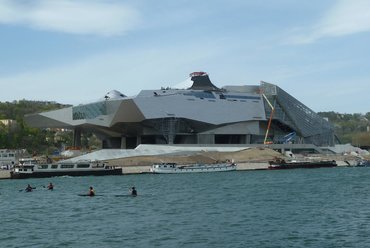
(71, 16)
(344, 18)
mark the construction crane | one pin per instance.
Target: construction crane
(270, 120)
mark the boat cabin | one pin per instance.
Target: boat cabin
(165, 165)
(30, 165)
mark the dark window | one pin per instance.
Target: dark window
(200, 95)
(242, 97)
(67, 166)
(83, 165)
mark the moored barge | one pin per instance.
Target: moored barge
(80, 168)
(171, 168)
(279, 164)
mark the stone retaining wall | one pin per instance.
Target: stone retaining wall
(252, 166)
(4, 174)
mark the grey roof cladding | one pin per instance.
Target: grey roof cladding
(189, 105)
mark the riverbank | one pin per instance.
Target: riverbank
(128, 170)
(248, 159)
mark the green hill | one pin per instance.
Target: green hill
(351, 128)
(16, 134)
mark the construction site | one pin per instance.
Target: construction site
(199, 122)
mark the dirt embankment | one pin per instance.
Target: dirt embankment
(247, 155)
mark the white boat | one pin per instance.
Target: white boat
(7, 158)
(27, 161)
(168, 168)
(30, 169)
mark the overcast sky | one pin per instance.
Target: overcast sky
(75, 51)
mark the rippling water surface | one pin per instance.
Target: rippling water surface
(290, 208)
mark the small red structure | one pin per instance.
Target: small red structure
(198, 73)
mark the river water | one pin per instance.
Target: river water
(289, 208)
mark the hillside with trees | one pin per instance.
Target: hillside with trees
(350, 128)
(17, 135)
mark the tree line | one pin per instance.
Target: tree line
(350, 128)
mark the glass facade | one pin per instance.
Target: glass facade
(89, 111)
